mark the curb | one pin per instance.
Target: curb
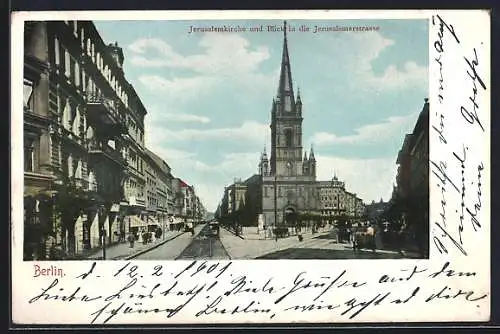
(234, 233)
(130, 257)
(284, 248)
(255, 257)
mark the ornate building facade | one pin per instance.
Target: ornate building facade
(38, 213)
(85, 173)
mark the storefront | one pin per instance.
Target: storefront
(37, 226)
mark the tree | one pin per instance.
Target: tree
(70, 200)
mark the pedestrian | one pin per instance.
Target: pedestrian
(53, 251)
(131, 240)
(190, 228)
(370, 231)
(158, 233)
(354, 238)
(401, 239)
(144, 237)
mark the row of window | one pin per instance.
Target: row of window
(330, 198)
(135, 186)
(88, 46)
(269, 191)
(150, 182)
(134, 130)
(134, 160)
(152, 201)
(78, 77)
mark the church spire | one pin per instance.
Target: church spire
(311, 154)
(285, 89)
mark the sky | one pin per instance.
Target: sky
(208, 96)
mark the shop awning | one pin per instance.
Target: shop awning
(137, 222)
(152, 221)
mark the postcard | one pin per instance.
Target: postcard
(250, 167)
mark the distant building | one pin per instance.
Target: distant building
(375, 210)
(158, 190)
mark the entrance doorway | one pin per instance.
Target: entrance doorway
(290, 216)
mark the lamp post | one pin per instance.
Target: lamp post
(275, 202)
(103, 232)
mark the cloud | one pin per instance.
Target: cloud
(226, 60)
(178, 88)
(387, 129)
(370, 179)
(215, 60)
(364, 50)
(248, 131)
(185, 118)
(393, 78)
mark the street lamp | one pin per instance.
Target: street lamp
(103, 232)
(275, 203)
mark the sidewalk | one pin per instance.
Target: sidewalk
(123, 250)
(252, 245)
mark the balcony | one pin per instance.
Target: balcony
(100, 150)
(137, 201)
(104, 112)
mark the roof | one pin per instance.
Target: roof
(254, 179)
(161, 164)
(182, 183)
(405, 148)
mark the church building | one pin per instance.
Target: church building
(289, 182)
(286, 184)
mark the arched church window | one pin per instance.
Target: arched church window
(289, 168)
(288, 138)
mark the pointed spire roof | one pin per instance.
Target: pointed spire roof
(298, 95)
(285, 89)
(311, 155)
(305, 155)
(264, 154)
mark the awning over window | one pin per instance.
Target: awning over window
(137, 222)
(152, 221)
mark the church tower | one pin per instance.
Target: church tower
(264, 164)
(312, 163)
(286, 123)
(289, 186)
